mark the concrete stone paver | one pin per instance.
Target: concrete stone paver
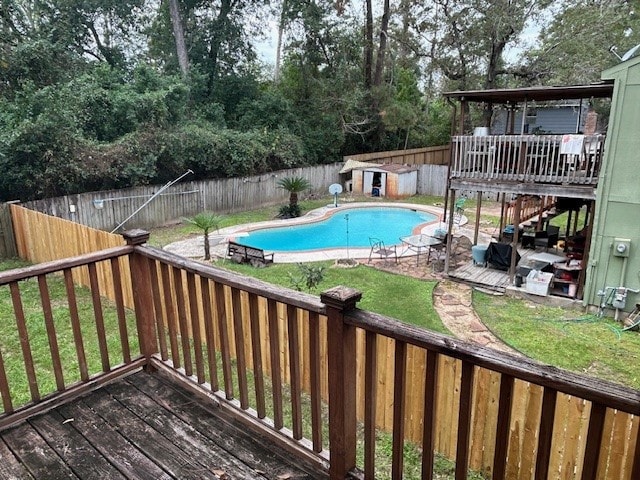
(466, 326)
(452, 301)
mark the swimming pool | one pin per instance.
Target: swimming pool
(345, 228)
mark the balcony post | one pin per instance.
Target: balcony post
(341, 340)
(142, 294)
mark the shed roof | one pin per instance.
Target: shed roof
(516, 95)
(352, 164)
(389, 167)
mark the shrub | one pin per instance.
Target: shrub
(308, 275)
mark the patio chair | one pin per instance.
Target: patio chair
(437, 257)
(458, 211)
(379, 248)
(547, 238)
(439, 251)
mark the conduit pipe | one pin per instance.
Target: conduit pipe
(162, 189)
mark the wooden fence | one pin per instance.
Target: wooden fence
(432, 180)
(42, 238)
(417, 156)
(107, 209)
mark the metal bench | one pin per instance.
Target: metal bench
(246, 254)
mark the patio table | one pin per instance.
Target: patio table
(419, 244)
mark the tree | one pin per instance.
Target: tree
(472, 36)
(575, 47)
(206, 221)
(294, 185)
(382, 46)
(178, 34)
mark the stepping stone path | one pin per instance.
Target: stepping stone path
(452, 301)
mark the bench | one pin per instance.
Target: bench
(245, 254)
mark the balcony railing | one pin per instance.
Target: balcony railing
(277, 357)
(528, 158)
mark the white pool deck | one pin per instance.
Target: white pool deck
(194, 247)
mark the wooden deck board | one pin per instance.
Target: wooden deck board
(143, 426)
(487, 276)
(34, 453)
(480, 275)
(161, 451)
(184, 435)
(76, 451)
(10, 466)
(111, 444)
(242, 446)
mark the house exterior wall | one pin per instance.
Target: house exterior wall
(617, 212)
(552, 120)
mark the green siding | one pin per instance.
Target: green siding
(617, 212)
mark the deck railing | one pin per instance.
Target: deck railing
(528, 158)
(279, 358)
(530, 207)
(100, 336)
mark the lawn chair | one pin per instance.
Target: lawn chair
(378, 248)
(438, 255)
(458, 211)
(547, 238)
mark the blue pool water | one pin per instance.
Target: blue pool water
(345, 228)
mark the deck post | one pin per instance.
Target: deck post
(342, 379)
(478, 210)
(142, 295)
(447, 247)
(516, 233)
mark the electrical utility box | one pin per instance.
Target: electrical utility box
(621, 247)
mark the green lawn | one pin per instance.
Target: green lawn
(564, 337)
(404, 298)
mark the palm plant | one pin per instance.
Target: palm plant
(294, 185)
(205, 221)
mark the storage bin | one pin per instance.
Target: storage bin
(538, 283)
(479, 254)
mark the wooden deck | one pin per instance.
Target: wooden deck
(486, 276)
(143, 426)
(527, 164)
(482, 276)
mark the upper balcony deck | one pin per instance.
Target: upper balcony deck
(543, 164)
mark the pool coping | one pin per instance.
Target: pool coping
(194, 247)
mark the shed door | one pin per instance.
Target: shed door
(367, 183)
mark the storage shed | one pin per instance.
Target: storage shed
(391, 181)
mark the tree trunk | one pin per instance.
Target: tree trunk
(220, 31)
(495, 58)
(368, 46)
(276, 72)
(207, 247)
(382, 47)
(178, 35)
